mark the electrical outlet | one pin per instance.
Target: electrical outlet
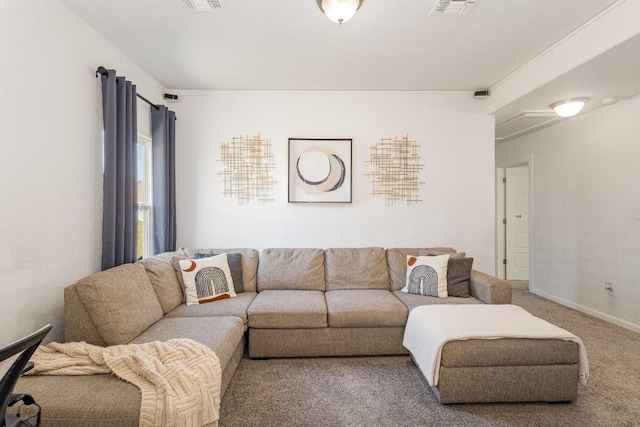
(608, 286)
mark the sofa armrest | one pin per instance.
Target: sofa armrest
(78, 325)
(489, 289)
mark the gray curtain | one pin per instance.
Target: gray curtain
(163, 142)
(119, 220)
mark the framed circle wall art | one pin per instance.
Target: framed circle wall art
(319, 170)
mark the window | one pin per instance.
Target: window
(145, 191)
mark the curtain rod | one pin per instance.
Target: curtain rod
(103, 71)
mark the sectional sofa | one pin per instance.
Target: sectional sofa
(295, 303)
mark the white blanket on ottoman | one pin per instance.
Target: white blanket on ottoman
(430, 327)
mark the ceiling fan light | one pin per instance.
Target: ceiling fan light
(569, 107)
(339, 11)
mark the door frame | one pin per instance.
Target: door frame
(501, 212)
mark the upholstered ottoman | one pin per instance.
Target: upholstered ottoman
(494, 353)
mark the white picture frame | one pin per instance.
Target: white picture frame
(320, 170)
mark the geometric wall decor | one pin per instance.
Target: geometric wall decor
(396, 167)
(248, 164)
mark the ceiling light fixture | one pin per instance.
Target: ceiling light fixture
(569, 107)
(339, 11)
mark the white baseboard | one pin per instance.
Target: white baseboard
(592, 312)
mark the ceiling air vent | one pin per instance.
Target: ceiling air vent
(453, 7)
(203, 5)
(524, 122)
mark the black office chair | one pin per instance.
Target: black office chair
(14, 361)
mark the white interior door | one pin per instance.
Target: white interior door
(517, 227)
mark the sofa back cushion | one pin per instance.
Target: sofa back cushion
(291, 269)
(397, 261)
(356, 268)
(249, 263)
(120, 301)
(164, 280)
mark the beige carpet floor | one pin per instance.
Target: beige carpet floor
(389, 391)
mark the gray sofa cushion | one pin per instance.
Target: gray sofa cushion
(285, 309)
(397, 262)
(121, 302)
(412, 301)
(301, 269)
(225, 307)
(164, 280)
(365, 308)
(249, 262)
(356, 268)
(221, 334)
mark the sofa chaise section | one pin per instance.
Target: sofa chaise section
(105, 400)
(134, 303)
(508, 370)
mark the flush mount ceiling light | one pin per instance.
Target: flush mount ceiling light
(339, 11)
(569, 107)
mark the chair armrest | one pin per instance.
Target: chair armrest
(27, 368)
(489, 289)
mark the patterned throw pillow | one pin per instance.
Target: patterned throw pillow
(207, 279)
(427, 275)
(235, 266)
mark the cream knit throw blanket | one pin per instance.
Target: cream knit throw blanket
(179, 379)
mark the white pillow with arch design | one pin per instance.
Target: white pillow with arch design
(427, 275)
(207, 279)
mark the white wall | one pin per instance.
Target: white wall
(586, 192)
(456, 146)
(50, 166)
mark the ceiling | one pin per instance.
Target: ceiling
(606, 79)
(388, 45)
